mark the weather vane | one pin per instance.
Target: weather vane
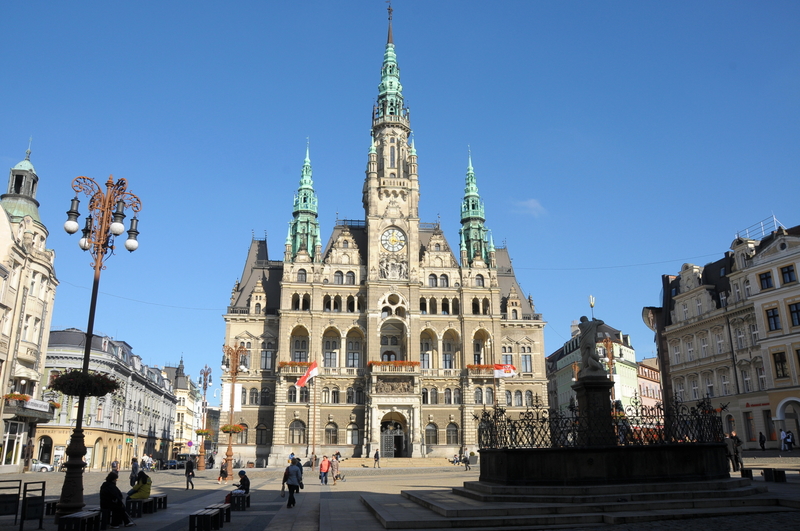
(390, 9)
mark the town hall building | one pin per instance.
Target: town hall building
(405, 328)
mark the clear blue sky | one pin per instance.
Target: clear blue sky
(612, 141)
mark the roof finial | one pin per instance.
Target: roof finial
(28, 153)
(390, 39)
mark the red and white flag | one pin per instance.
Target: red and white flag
(310, 373)
(504, 371)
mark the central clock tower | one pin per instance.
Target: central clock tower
(391, 188)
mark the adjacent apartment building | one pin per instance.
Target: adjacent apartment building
(730, 331)
(27, 291)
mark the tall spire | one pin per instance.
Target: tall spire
(304, 227)
(390, 91)
(20, 197)
(390, 38)
(476, 239)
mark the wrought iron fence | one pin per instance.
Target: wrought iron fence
(634, 425)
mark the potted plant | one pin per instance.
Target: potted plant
(203, 433)
(232, 428)
(17, 396)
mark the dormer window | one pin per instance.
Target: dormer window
(345, 244)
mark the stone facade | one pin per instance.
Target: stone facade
(404, 327)
(188, 411)
(27, 292)
(136, 419)
(730, 330)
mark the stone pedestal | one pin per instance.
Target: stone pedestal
(594, 404)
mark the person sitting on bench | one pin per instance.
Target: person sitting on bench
(244, 482)
(111, 505)
(141, 490)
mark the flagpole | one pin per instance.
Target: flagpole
(313, 427)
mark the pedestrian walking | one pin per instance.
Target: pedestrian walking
(377, 459)
(789, 441)
(189, 473)
(223, 473)
(783, 440)
(334, 468)
(737, 450)
(465, 460)
(134, 471)
(293, 479)
(324, 468)
(211, 462)
(762, 441)
(730, 451)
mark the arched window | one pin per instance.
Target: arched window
(291, 395)
(244, 397)
(479, 281)
(338, 278)
(514, 314)
(432, 281)
(345, 244)
(444, 282)
(262, 435)
(297, 432)
(448, 396)
(437, 247)
(258, 307)
(434, 396)
(331, 433)
(431, 434)
(518, 398)
(424, 395)
(254, 394)
(528, 398)
(452, 434)
(508, 398)
(351, 396)
(352, 434)
(241, 437)
(301, 275)
(456, 395)
(478, 396)
(350, 278)
(326, 395)
(335, 395)
(489, 395)
(304, 394)
(265, 396)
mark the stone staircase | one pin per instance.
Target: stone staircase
(397, 462)
(478, 506)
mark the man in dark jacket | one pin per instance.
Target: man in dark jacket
(189, 473)
(111, 505)
(244, 482)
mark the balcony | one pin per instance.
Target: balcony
(342, 371)
(441, 373)
(394, 367)
(35, 410)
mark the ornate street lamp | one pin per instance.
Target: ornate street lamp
(103, 225)
(231, 363)
(205, 379)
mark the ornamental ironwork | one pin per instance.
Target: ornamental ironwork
(634, 425)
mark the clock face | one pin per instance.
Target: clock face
(393, 240)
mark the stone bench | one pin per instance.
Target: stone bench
(161, 500)
(224, 510)
(50, 506)
(137, 507)
(204, 520)
(81, 521)
(775, 475)
(240, 502)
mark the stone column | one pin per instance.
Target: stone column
(596, 427)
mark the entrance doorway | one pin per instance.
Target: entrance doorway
(45, 449)
(394, 435)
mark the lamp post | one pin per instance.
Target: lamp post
(231, 362)
(103, 225)
(205, 379)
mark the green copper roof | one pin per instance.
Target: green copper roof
(25, 164)
(304, 227)
(23, 203)
(471, 205)
(475, 238)
(390, 91)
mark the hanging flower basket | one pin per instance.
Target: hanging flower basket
(232, 428)
(77, 383)
(56, 405)
(17, 396)
(203, 433)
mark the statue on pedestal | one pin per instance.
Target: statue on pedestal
(591, 367)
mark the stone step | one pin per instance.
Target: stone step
(451, 505)
(610, 498)
(593, 490)
(398, 512)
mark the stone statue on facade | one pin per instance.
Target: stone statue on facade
(591, 367)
